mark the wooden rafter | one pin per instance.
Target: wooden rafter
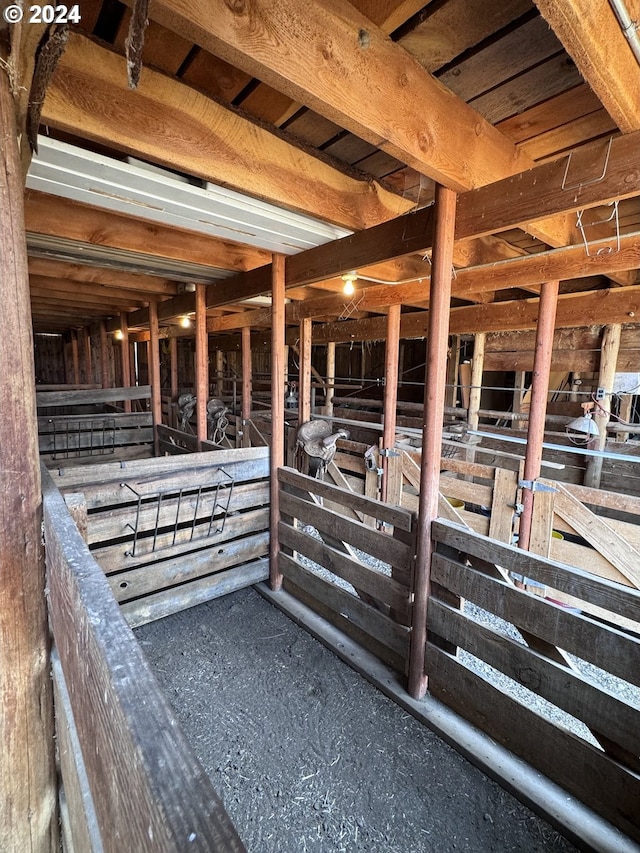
(592, 36)
(89, 97)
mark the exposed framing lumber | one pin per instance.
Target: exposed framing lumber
(88, 96)
(461, 150)
(440, 297)
(594, 39)
(28, 802)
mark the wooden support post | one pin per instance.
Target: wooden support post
(453, 363)
(608, 361)
(173, 356)
(125, 356)
(624, 413)
(202, 362)
(247, 377)
(154, 373)
(75, 356)
(28, 795)
(331, 378)
(105, 377)
(518, 392)
(538, 407)
(477, 367)
(219, 373)
(277, 412)
(85, 355)
(304, 391)
(390, 392)
(436, 372)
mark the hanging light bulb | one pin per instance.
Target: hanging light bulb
(349, 279)
(185, 322)
(118, 334)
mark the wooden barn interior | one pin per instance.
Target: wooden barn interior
(370, 268)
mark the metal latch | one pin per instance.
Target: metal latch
(389, 451)
(535, 486)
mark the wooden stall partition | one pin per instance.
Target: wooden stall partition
(597, 761)
(173, 532)
(130, 779)
(78, 427)
(356, 577)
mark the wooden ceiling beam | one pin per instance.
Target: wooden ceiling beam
(58, 286)
(592, 36)
(89, 97)
(60, 217)
(102, 277)
(598, 307)
(340, 64)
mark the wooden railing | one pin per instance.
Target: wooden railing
(600, 768)
(130, 780)
(175, 531)
(82, 426)
(377, 612)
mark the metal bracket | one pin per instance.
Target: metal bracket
(596, 180)
(535, 486)
(389, 451)
(613, 217)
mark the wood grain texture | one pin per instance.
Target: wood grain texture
(149, 791)
(208, 140)
(28, 811)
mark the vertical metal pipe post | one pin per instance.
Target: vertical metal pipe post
(538, 409)
(390, 390)
(125, 356)
(436, 372)
(154, 373)
(202, 362)
(247, 378)
(277, 411)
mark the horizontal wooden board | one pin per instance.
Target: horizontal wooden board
(93, 440)
(94, 397)
(380, 586)
(396, 516)
(580, 768)
(149, 791)
(597, 708)
(144, 580)
(367, 618)
(118, 456)
(120, 419)
(117, 523)
(570, 579)
(158, 467)
(612, 650)
(114, 558)
(170, 601)
(373, 542)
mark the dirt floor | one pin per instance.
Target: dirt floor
(308, 756)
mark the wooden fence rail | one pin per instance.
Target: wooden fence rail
(130, 779)
(600, 768)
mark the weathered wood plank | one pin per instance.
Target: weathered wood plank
(574, 693)
(580, 768)
(374, 542)
(80, 831)
(149, 791)
(120, 419)
(144, 580)
(93, 397)
(503, 505)
(107, 526)
(170, 601)
(361, 577)
(114, 472)
(99, 440)
(115, 558)
(574, 581)
(608, 648)
(393, 515)
(367, 618)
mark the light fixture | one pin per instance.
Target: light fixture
(118, 334)
(349, 279)
(185, 322)
(581, 430)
